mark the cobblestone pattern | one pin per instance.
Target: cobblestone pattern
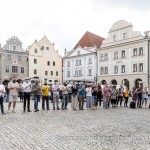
(112, 129)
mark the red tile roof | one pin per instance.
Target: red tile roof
(89, 40)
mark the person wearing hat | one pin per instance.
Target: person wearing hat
(27, 92)
(13, 87)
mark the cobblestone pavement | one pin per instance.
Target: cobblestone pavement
(112, 129)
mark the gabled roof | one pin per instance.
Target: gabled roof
(14, 40)
(89, 40)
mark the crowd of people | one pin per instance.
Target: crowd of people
(78, 94)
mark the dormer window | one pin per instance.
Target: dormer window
(124, 35)
(35, 50)
(114, 38)
(14, 48)
(42, 48)
(78, 52)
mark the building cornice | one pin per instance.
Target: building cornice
(83, 55)
(119, 44)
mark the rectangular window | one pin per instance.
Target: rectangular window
(53, 63)
(141, 51)
(79, 62)
(46, 72)
(134, 67)
(80, 73)
(7, 69)
(102, 70)
(47, 48)
(76, 62)
(19, 58)
(8, 57)
(42, 47)
(90, 72)
(115, 69)
(35, 50)
(56, 73)
(76, 73)
(90, 60)
(114, 38)
(14, 48)
(14, 69)
(22, 69)
(106, 70)
(68, 64)
(115, 55)
(122, 54)
(48, 63)
(35, 61)
(124, 35)
(104, 57)
(122, 68)
(68, 73)
(35, 71)
(135, 52)
(51, 73)
(140, 67)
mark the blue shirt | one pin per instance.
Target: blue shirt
(82, 92)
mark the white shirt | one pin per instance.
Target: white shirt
(89, 91)
(2, 87)
(26, 86)
(55, 88)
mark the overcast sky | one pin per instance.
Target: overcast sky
(65, 21)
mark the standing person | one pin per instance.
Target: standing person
(2, 91)
(55, 89)
(145, 96)
(139, 102)
(13, 87)
(113, 97)
(36, 89)
(81, 90)
(106, 95)
(89, 100)
(45, 95)
(134, 95)
(94, 96)
(64, 96)
(126, 97)
(20, 91)
(120, 95)
(27, 93)
(7, 90)
(99, 95)
(74, 97)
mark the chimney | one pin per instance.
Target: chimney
(35, 40)
(65, 50)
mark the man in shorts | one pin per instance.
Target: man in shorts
(13, 87)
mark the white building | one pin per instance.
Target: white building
(45, 62)
(124, 57)
(80, 64)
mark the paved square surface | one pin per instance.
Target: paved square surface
(112, 129)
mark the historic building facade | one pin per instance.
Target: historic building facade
(13, 60)
(45, 63)
(123, 58)
(80, 64)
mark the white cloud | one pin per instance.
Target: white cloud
(65, 21)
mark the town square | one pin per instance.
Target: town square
(75, 75)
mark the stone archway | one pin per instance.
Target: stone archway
(125, 82)
(113, 82)
(103, 82)
(137, 83)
